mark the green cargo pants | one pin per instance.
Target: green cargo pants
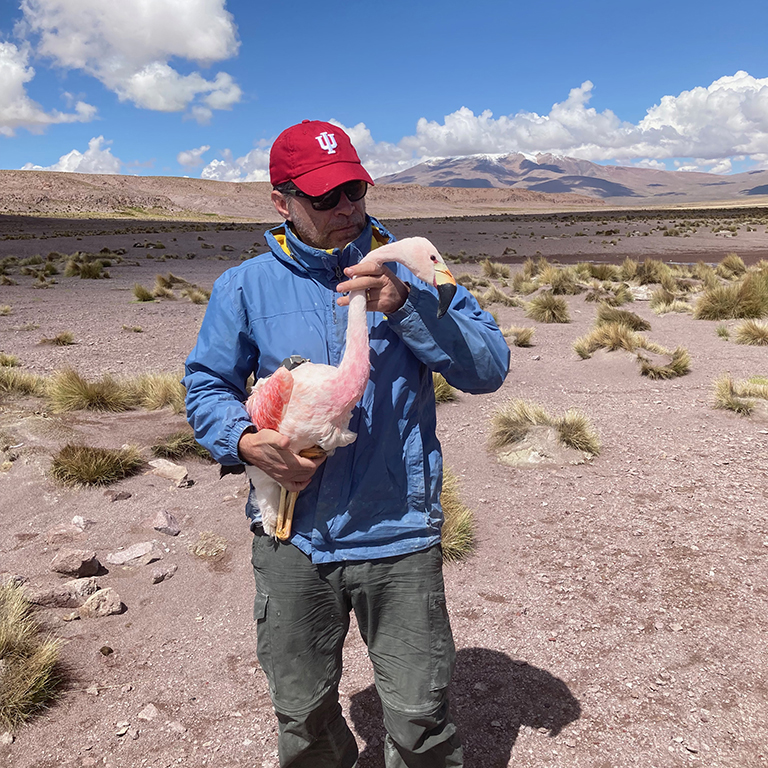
(302, 612)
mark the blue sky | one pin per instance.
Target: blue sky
(201, 87)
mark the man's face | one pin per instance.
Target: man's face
(334, 228)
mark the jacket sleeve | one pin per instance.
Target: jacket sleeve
(465, 345)
(216, 373)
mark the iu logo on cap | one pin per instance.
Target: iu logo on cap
(327, 142)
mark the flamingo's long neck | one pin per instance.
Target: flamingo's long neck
(355, 365)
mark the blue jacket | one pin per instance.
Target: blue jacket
(379, 496)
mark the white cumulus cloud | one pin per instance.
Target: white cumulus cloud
(98, 158)
(708, 126)
(127, 45)
(251, 167)
(191, 158)
(17, 110)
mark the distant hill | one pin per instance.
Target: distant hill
(618, 185)
(48, 193)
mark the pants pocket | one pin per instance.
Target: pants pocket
(441, 646)
(263, 641)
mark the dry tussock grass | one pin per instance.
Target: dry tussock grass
(512, 422)
(494, 269)
(731, 267)
(63, 339)
(608, 314)
(679, 365)
(457, 536)
(158, 390)
(141, 293)
(444, 392)
(739, 396)
(67, 390)
(610, 336)
(547, 308)
(179, 445)
(521, 337)
(30, 675)
(9, 361)
(746, 299)
(752, 332)
(14, 381)
(85, 465)
(496, 296)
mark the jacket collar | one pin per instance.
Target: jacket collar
(325, 266)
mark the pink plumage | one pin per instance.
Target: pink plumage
(312, 404)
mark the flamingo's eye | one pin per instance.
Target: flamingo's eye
(434, 258)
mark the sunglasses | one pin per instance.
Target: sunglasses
(354, 191)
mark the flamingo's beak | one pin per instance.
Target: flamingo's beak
(446, 288)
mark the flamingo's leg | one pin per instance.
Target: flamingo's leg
(284, 522)
(285, 516)
(281, 513)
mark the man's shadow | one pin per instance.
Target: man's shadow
(492, 696)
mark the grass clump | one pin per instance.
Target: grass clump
(69, 391)
(523, 284)
(731, 267)
(63, 339)
(562, 281)
(141, 293)
(457, 535)
(609, 272)
(86, 465)
(576, 432)
(30, 674)
(629, 268)
(9, 361)
(740, 397)
(180, 445)
(723, 332)
(610, 336)
(444, 392)
(664, 301)
(752, 332)
(547, 308)
(157, 390)
(196, 295)
(14, 381)
(747, 299)
(512, 422)
(521, 337)
(494, 270)
(679, 365)
(5, 310)
(608, 314)
(496, 296)
(652, 271)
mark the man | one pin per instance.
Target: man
(366, 528)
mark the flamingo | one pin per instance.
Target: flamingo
(312, 403)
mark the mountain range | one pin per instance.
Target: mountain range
(552, 174)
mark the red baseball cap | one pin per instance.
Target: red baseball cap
(316, 157)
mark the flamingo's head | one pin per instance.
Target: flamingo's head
(424, 260)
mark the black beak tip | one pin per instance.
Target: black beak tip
(445, 294)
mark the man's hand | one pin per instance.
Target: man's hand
(385, 292)
(268, 450)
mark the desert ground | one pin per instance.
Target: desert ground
(613, 612)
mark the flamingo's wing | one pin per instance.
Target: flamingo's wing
(269, 399)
